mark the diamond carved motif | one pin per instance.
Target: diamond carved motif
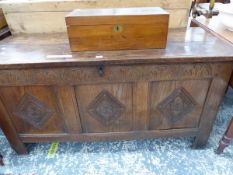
(33, 111)
(177, 105)
(106, 108)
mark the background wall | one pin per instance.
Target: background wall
(44, 16)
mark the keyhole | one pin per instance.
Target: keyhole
(117, 28)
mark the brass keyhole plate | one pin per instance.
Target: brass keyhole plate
(118, 28)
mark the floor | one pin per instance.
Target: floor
(150, 157)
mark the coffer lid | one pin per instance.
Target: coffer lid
(136, 15)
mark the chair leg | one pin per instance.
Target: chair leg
(226, 139)
(1, 160)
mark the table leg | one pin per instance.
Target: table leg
(1, 160)
(231, 81)
(226, 139)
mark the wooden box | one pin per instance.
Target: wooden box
(117, 28)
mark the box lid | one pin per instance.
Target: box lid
(137, 15)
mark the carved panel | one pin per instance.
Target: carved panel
(106, 108)
(33, 111)
(74, 75)
(177, 105)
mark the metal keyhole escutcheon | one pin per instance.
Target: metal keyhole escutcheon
(101, 70)
(117, 28)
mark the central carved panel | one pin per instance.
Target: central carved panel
(106, 108)
(177, 105)
(33, 111)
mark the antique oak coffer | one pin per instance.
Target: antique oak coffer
(117, 28)
(48, 93)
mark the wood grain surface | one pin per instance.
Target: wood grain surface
(191, 45)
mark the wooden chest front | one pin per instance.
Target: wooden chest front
(125, 99)
(120, 28)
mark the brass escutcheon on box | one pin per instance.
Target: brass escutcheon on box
(118, 28)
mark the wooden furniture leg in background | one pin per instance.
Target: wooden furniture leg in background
(226, 139)
(1, 160)
(231, 81)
